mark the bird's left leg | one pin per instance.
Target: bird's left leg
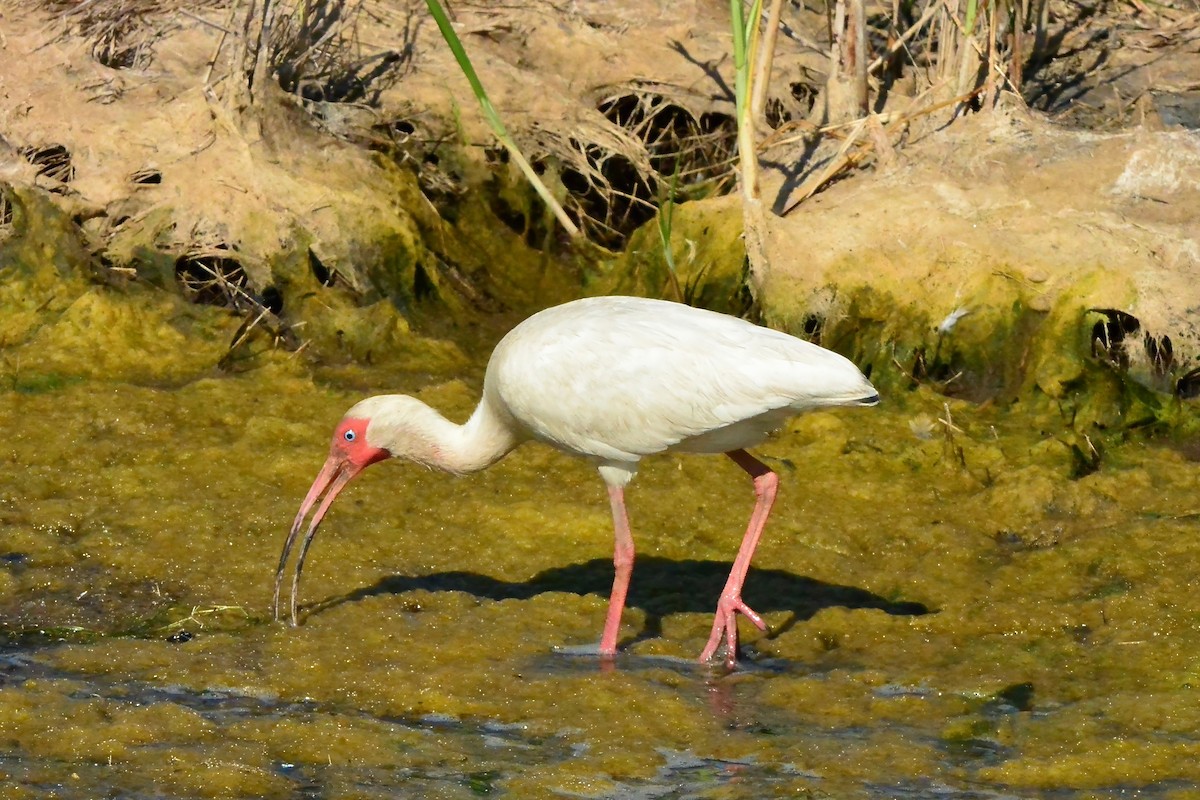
(623, 562)
(730, 605)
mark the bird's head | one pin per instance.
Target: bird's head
(355, 446)
(380, 427)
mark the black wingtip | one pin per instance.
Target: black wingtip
(871, 400)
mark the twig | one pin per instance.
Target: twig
(834, 166)
(765, 58)
(204, 21)
(197, 612)
(225, 30)
(979, 51)
(930, 10)
(843, 159)
(990, 93)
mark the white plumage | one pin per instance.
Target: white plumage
(619, 378)
(611, 379)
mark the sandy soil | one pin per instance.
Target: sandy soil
(140, 135)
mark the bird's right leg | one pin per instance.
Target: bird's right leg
(731, 604)
(623, 561)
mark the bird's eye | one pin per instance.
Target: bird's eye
(348, 436)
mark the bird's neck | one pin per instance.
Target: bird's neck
(481, 441)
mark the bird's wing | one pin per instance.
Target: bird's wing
(620, 380)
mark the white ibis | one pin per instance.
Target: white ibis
(611, 379)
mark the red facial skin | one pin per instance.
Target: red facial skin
(350, 445)
(349, 454)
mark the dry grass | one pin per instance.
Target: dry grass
(621, 163)
(962, 56)
(316, 53)
(925, 62)
(123, 33)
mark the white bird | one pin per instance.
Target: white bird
(611, 379)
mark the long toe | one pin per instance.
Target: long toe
(725, 629)
(749, 613)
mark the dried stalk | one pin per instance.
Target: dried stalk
(754, 219)
(766, 56)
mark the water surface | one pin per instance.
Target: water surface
(952, 615)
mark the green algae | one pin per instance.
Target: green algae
(433, 604)
(708, 254)
(961, 596)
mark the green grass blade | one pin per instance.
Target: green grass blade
(492, 116)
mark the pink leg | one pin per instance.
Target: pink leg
(623, 561)
(730, 605)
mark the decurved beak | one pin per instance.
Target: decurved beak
(337, 472)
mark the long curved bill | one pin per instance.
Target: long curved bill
(337, 472)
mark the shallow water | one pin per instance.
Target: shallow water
(951, 616)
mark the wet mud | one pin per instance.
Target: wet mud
(954, 609)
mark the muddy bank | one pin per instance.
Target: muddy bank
(981, 588)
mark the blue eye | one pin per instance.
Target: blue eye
(348, 436)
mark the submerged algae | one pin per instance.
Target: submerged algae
(426, 663)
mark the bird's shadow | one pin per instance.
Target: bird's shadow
(660, 587)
